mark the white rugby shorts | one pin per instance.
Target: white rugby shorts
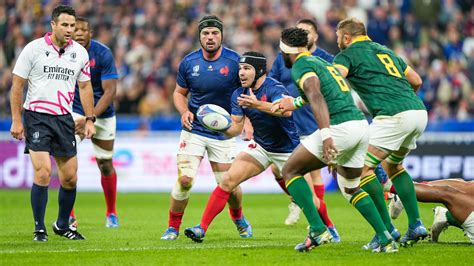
(264, 157)
(468, 227)
(219, 151)
(104, 127)
(400, 130)
(351, 139)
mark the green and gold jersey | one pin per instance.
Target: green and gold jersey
(378, 76)
(333, 87)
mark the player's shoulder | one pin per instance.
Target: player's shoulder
(230, 54)
(34, 44)
(271, 82)
(99, 47)
(194, 55)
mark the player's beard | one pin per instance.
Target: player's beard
(213, 50)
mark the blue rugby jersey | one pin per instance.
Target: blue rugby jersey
(274, 134)
(102, 67)
(303, 117)
(209, 82)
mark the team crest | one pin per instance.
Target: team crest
(195, 71)
(224, 70)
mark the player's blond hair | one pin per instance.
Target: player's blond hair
(352, 26)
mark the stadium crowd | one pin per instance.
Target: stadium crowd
(149, 38)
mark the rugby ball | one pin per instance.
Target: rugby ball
(213, 117)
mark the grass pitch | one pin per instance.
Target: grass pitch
(143, 218)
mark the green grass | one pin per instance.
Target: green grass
(143, 218)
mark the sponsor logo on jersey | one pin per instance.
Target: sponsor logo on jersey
(209, 68)
(47, 53)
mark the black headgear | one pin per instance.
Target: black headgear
(258, 61)
(210, 21)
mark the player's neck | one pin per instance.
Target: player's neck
(212, 56)
(259, 83)
(56, 42)
(313, 48)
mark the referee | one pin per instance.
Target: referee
(52, 65)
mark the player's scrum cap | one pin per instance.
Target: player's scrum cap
(210, 21)
(257, 60)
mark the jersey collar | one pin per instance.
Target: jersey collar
(303, 54)
(47, 39)
(360, 38)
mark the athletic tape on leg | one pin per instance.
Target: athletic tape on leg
(102, 153)
(187, 166)
(347, 183)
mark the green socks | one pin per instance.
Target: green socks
(365, 205)
(406, 191)
(451, 220)
(301, 193)
(371, 185)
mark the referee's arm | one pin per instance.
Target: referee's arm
(16, 100)
(87, 101)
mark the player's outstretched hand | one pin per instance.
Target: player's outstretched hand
(187, 119)
(17, 130)
(89, 129)
(329, 149)
(250, 100)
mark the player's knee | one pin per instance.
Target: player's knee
(185, 182)
(105, 166)
(69, 181)
(348, 186)
(228, 183)
(182, 187)
(287, 173)
(42, 175)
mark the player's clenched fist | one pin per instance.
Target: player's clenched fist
(17, 130)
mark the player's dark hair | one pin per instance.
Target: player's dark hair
(210, 21)
(352, 26)
(309, 22)
(57, 11)
(82, 19)
(295, 37)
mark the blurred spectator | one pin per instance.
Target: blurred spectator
(150, 37)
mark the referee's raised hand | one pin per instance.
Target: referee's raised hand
(17, 130)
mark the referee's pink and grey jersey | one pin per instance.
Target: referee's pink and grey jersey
(52, 74)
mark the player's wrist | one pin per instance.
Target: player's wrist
(325, 133)
(298, 102)
(91, 118)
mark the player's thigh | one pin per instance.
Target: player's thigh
(314, 176)
(244, 167)
(401, 130)
(302, 160)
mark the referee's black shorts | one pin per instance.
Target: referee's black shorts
(50, 133)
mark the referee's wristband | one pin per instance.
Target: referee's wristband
(325, 133)
(298, 102)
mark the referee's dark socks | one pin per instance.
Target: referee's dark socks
(66, 199)
(39, 199)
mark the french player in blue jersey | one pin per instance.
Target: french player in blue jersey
(210, 75)
(104, 81)
(274, 133)
(305, 124)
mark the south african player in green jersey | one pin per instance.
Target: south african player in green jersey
(387, 86)
(341, 140)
